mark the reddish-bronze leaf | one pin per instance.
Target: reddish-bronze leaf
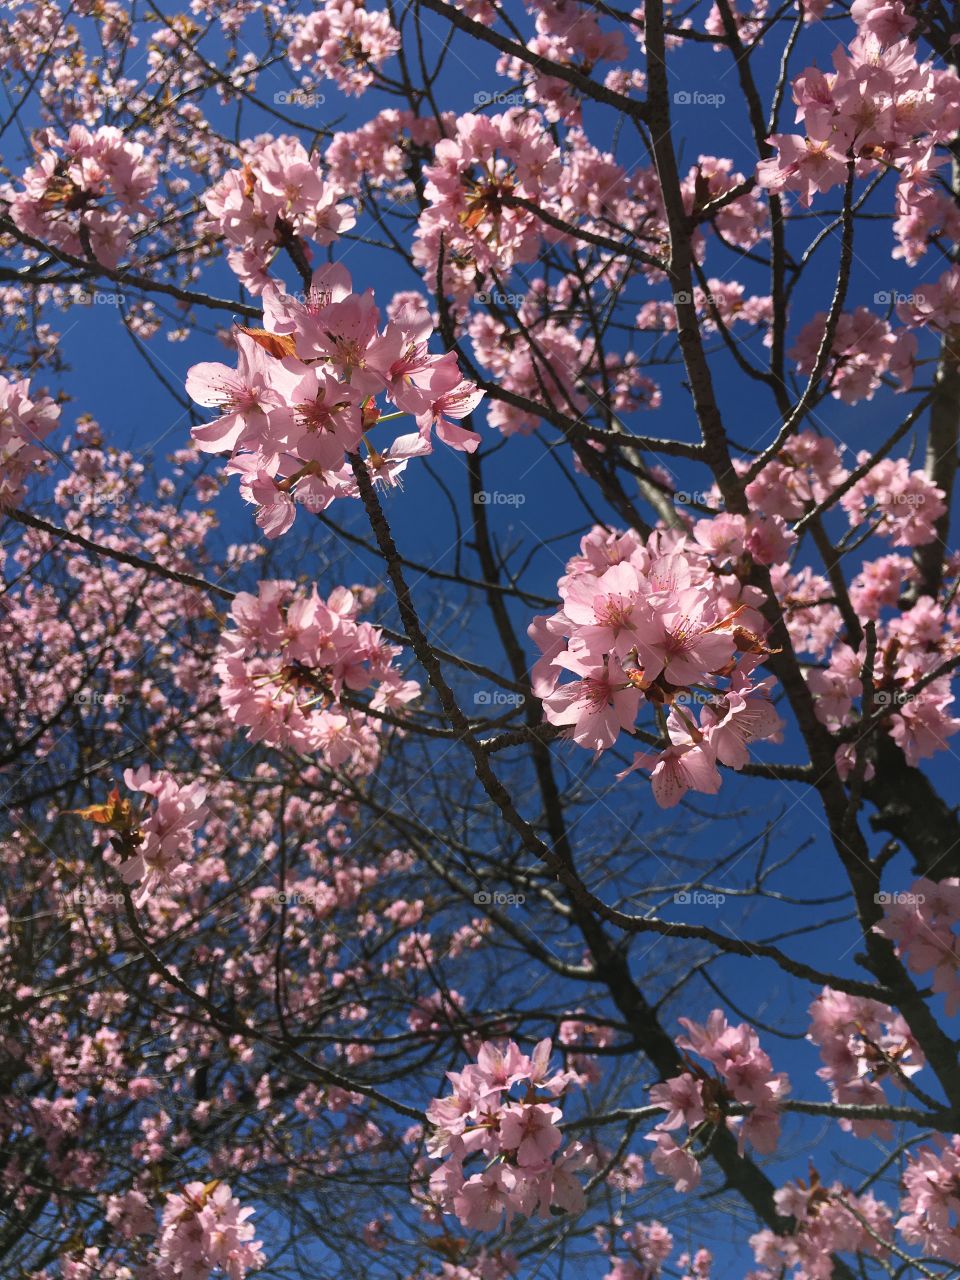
(277, 344)
(115, 812)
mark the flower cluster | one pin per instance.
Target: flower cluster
(935, 306)
(568, 34)
(744, 1075)
(130, 1214)
(669, 624)
(151, 844)
(205, 1229)
(567, 352)
(864, 349)
(488, 163)
(579, 1031)
(803, 473)
(162, 838)
(485, 1264)
(746, 1072)
(24, 422)
(925, 213)
(862, 1043)
(517, 1137)
(916, 643)
(905, 503)
(908, 502)
(749, 25)
(931, 1200)
(828, 1220)
(278, 195)
(304, 392)
(648, 1245)
(918, 719)
(879, 107)
(922, 924)
(345, 42)
(743, 219)
(377, 154)
(85, 191)
(292, 666)
(723, 302)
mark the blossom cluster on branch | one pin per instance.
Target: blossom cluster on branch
(292, 667)
(25, 422)
(86, 192)
(657, 625)
(504, 1109)
(305, 391)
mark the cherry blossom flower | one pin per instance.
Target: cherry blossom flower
(204, 1228)
(518, 1138)
(302, 398)
(25, 422)
(166, 836)
(292, 669)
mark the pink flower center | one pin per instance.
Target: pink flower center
(318, 300)
(240, 398)
(613, 611)
(595, 692)
(680, 639)
(349, 352)
(317, 415)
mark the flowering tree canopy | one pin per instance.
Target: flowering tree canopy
(479, 628)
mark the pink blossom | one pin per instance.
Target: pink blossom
(167, 834)
(597, 705)
(204, 1228)
(24, 424)
(518, 1138)
(677, 770)
(246, 395)
(675, 1163)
